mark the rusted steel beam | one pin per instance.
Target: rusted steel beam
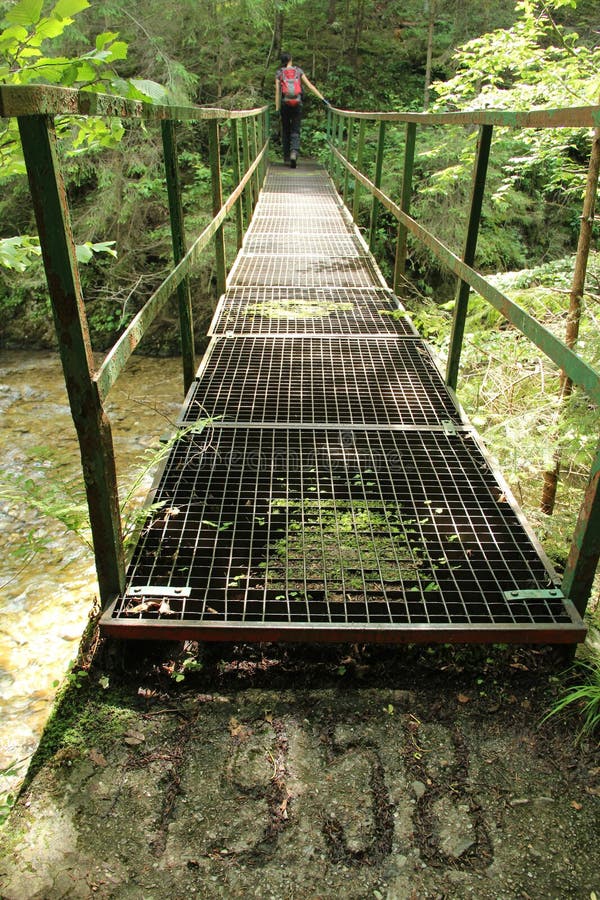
(360, 152)
(117, 357)
(186, 323)
(405, 198)
(377, 182)
(217, 202)
(41, 99)
(570, 117)
(254, 124)
(349, 137)
(462, 293)
(38, 138)
(249, 194)
(584, 554)
(237, 174)
(431, 632)
(581, 373)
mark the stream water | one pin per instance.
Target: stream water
(46, 597)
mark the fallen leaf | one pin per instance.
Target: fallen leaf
(576, 805)
(164, 609)
(97, 758)
(134, 738)
(462, 698)
(239, 730)
(138, 608)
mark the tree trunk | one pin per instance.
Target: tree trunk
(429, 7)
(575, 302)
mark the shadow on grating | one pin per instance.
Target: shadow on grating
(299, 271)
(349, 381)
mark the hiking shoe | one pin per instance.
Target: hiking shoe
(293, 158)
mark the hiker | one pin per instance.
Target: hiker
(289, 82)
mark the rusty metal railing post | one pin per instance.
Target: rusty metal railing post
(377, 182)
(339, 144)
(360, 153)
(266, 131)
(217, 201)
(186, 324)
(462, 294)
(331, 139)
(249, 192)
(254, 149)
(38, 138)
(237, 174)
(582, 562)
(405, 198)
(348, 152)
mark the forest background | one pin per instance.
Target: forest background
(363, 54)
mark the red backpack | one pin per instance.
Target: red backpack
(290, 79)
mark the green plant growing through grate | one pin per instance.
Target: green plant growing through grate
(353, 547)
(297, 308)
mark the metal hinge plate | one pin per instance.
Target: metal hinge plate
(150, 590)
(534, 594)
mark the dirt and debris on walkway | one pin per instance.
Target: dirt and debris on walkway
(307, 772)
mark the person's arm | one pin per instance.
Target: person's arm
(312, 88)
(277, 94)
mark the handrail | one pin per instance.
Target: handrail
(584, 553)
(47, 100)
(35, 107)
(567, 117)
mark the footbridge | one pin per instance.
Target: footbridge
(324, 483)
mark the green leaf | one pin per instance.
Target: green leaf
(67, 8)
(11, 37)
(51, 28)
(26, 12)
(84, 253)
(151, 89)
(105, 38)
(118, 50)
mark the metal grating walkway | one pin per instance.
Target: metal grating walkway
(337, 492)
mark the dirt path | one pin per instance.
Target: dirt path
(310, 773)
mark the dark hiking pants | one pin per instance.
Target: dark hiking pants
(291, 117)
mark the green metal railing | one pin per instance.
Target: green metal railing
(584, 554)
(35, 108)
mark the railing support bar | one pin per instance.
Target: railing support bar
(582, 562)
(38, 138)
(339, 138)
(407, 176)
(246, 159)
(184, 297)
(254, 151)
(377, 183)
(237, 174)
(348, 152)
(463, 289)
(360, 152)
(217, 199)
